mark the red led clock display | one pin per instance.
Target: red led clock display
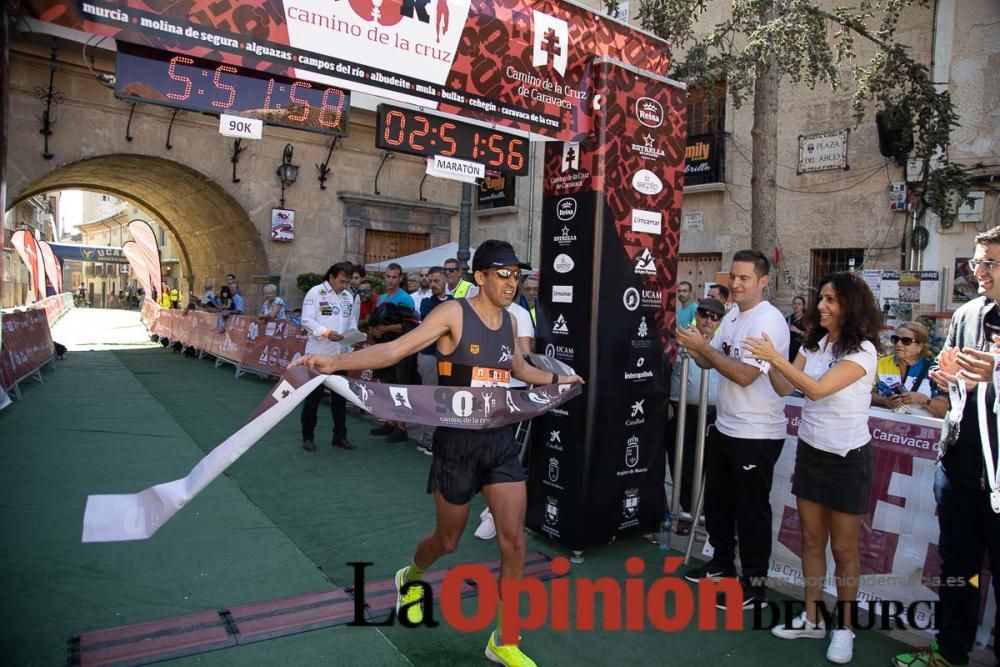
(419, 133)
(159, 77)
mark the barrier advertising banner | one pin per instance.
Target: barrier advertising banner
(53, 270)
(523, 64)
(149, 254)
(610, 226)
(27, 345)
(27, 249)
(899, 535)
(252, 345)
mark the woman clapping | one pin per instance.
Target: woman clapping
(835, 369)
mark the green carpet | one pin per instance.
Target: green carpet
(280, 522)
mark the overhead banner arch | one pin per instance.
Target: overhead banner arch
(523, 64)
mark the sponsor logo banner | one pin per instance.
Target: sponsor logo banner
(112, 518)
(562, 294)
(647, 222)
(647, 182)
(534, 74)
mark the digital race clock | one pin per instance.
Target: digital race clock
(419, 133)
(160, 77)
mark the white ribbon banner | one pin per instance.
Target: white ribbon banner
(137, 516)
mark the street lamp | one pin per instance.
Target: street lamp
(287, 172)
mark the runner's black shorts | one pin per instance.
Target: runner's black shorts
(842, 483)
(466, 461)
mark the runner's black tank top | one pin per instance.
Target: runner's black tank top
(483, 357)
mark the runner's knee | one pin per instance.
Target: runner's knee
(447, 543)
(511, 539)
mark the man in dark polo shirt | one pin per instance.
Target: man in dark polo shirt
(475, 344)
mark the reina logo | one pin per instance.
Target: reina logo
(649, 112)
(566, 209)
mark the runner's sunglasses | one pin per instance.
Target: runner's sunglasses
(507, 274)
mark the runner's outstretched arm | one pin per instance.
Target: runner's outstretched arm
(525, 372)
(437, 324)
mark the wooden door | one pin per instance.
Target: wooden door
(699, 270)
(382, 246)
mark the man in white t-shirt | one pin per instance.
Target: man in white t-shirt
(749, 430)
(524, 345)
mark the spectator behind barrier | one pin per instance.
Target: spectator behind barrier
(902, 379)
(273, 307)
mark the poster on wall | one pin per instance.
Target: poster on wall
(965, 287)
(282, 225)
(908, 295)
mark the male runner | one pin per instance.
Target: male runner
(475, 348)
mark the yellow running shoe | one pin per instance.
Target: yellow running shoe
(414, 614)
(507, 654)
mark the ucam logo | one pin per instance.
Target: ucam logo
(647, 182)
(563, 263)
(563, 352)
(647, 298)
(631, 299)
(562, 294)
(649, 112)
(647, 222)
(566, 209)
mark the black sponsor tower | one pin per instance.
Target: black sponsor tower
(610, 225)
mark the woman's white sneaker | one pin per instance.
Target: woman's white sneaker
(841, 647)
(800, 628)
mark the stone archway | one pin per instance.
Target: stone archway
(213, 232)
